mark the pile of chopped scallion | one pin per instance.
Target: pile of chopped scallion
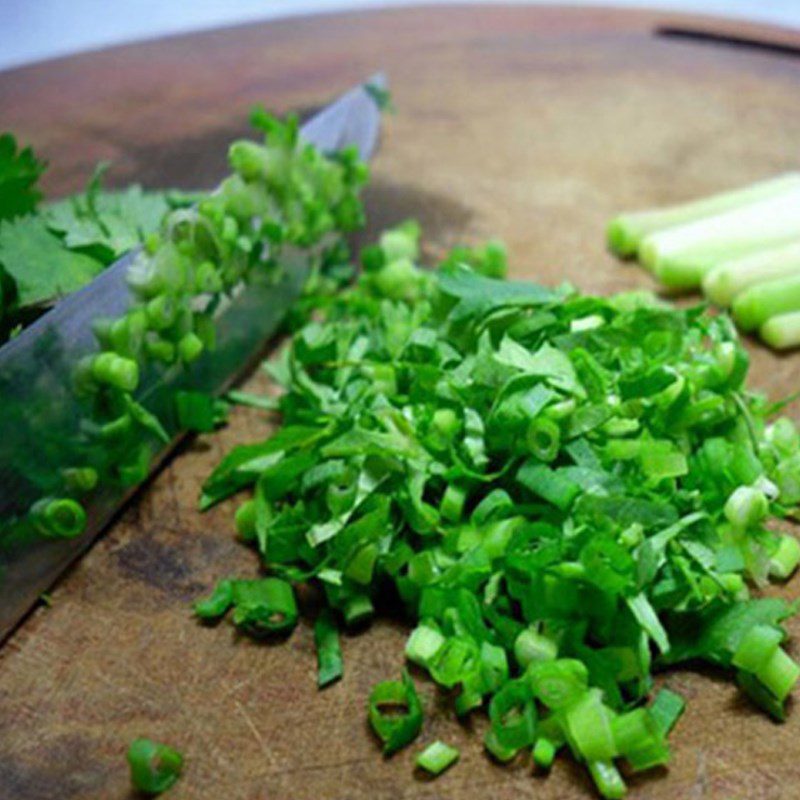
(567, 493)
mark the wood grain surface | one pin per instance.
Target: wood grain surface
(535, 125)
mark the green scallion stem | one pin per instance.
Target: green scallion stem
(626, 231)
(730, 278)
(666, 709)
(59, 518)
(531, 646)
(785, 559)
(544, 752)
(607, 779)
(154, 767)
(543, 438)
(782, 331)
(330, 665)
(754, 306)
(681, 257)
(395, 730)
(423, 645)
(746, 507)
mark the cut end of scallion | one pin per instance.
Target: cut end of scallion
(782, 331)
(437, 757)
(622, 237)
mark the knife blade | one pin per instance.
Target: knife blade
(39, 429)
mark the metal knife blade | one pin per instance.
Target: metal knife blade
(41, 419)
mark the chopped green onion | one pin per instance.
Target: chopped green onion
(395, 713)
(557, 684)
(154, 767)
(453, 500)
(423, 645)
(512, 713)
(756, 647)
(357, 610)
(746, 507)
(80, 479)
(588, 727)
(218, 603)
(607, 779)
(59, 518)
(626, 231)
(190, 347)
(500, 752)
(329, 652)
(772, 672)
(531, 646)
(117, 371)
(544, 752)
(785, 559)
(264, 606)
(437, 757)
(543, 438)
(666, 709)
(252, 400)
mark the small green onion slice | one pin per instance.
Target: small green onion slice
(154, 767)
(543, 438)
(667, 709)
(607, 779)
(218, 603)
(512, 713)
(588, 727)
(59, 518)
(395, 713)
(437, 757)
(264, 606)
(423, 644)
(544, 752)
(329, 652)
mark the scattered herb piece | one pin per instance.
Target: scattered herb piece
(154, 767)
(395, 713)
(437, 757)
(20, 170)
(329, 652)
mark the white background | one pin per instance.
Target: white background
(31, 30)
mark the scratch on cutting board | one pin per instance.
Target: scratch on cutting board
(250, 724)
(701, 778)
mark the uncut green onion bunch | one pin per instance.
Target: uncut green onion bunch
(567, 493)
(282, 192)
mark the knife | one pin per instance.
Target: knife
(41, 416)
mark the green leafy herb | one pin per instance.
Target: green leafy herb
(20, 170)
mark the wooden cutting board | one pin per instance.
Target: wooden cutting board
(532, 124)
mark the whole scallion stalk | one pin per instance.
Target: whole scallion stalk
(730, 278)
(681, 257)
(753, 307)
(626, 232)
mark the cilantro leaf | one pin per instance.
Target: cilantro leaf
(41, 267)
(20, 171)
